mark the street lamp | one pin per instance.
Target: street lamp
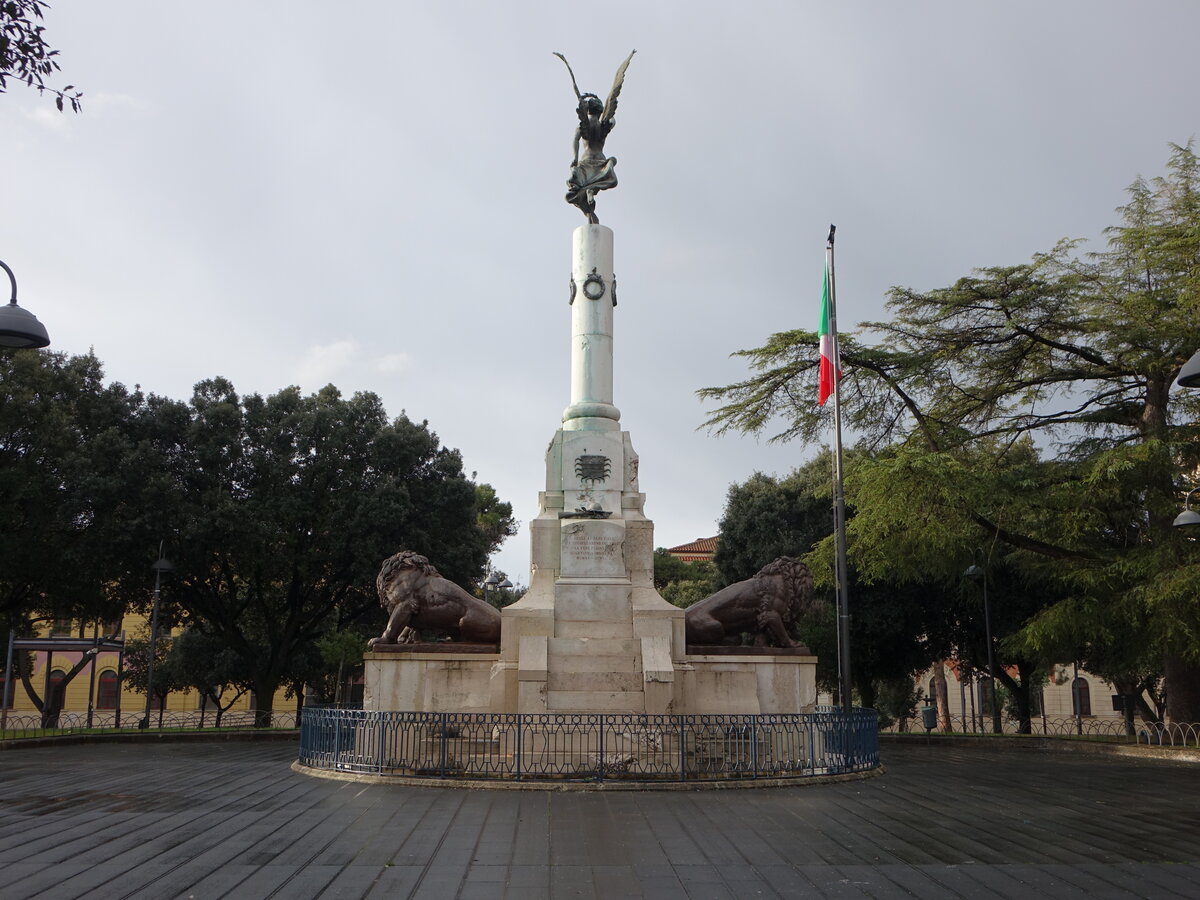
(162, 564)
(1189, 375)
(494, 583)
(1189, 517)
(20, 328)
(975, 571)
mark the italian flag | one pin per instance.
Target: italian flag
(825, 378)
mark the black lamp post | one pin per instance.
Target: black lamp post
(20, 328)
(494, 583)
(162, 564)
(975, 571)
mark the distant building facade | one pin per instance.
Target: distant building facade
(1069, 692)
(99, 690)
(699, 550)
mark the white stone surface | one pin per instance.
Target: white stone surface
(592, 549)
(439, 682)
(746, 684)
(592, 331)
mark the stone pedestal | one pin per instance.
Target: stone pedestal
(592, 634)
(430, 682)
(750, 684)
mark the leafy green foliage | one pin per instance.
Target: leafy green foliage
(967, 391)
(897, 627)
(285, 506)
(77, 498)
(767, 517)
(683, 583)
(25, 55)
(276, 511)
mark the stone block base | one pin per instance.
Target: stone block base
(745, 685)
(429, 682)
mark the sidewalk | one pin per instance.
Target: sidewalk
(230, 819)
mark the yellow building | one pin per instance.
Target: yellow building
(97, 696)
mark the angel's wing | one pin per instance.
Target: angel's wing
(610, 105)
(568, 65)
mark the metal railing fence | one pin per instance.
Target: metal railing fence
(29, 724)
(588, 747)
(1176, 734)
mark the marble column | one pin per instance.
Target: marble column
(593, 296)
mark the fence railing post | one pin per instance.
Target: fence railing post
(381, 724)
(600, 761)
(518, 751)
(683, 774)
(442, 743)
(754, 746)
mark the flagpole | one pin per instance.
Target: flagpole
(839, 500)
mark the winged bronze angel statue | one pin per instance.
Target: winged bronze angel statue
(592, 171)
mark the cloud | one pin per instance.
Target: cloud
(393, 364)
(46, 116)
(323, 361)
(113, 100)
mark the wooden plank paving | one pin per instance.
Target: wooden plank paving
(228, 819)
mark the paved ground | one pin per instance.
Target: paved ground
(231, 820)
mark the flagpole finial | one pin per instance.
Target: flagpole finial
(832, 229)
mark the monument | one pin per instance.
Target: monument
(592, 635)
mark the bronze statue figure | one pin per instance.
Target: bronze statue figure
(767, 605)
(592, 171)
(417, 597)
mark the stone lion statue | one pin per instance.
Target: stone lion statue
(766, 605)
(417, 597)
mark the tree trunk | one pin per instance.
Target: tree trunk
(941, 698)
(1183, 690)
(264, 702)
(867, 694)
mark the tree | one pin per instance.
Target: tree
(201, 661)
(77, 527)
(342, 654)
(494, 517)
(767, 517)
(1077, 353)
(683, 583)
(136, 668)
(24, 54)
(897, 629)
(283, 508)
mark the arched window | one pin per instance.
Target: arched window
(1081, 697)
(106, 692)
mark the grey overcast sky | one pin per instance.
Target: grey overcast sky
(371, 193)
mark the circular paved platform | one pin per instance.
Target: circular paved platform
(232, 820)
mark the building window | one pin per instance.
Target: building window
(106, 693)
(1081, 697)
(60, 628)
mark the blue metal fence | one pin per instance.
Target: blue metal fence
(589, 747)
